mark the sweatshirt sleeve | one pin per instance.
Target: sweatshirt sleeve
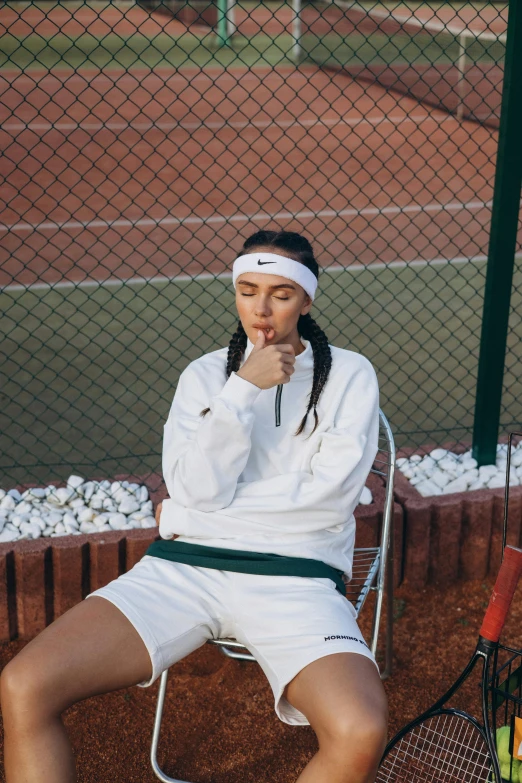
(203, 456)
(326, 497)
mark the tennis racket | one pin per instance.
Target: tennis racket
(444, 745)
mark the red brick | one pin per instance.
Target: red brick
(368, 525)
(477, 512)
(402, 489)
(107, 557)
(70, 566)
(445, 539)
(7, 593)
(417, 540)
(33, 574)
(137, 541)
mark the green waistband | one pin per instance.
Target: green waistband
(244, 562)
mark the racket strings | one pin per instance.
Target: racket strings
(442, 749)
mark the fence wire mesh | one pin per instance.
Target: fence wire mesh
(143, 142)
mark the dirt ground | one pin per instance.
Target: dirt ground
(220, 724)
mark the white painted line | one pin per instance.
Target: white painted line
(240, 218)
(171, 126)
(158, 279)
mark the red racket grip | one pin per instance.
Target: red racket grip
(500, 601)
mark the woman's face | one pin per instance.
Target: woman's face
(272, 302)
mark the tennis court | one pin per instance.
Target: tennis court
(130, 189)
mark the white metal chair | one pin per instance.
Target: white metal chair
(372, 572)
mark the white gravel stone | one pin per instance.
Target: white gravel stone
(151, 522)
(3, 493)
(440, 478)
(365, 499)
(128, 506)
(17, 519)
(15, 494)
(100, 519)
(69, 520)
(59, 528)
(147, 507)
(142, 494)
(89, 527)
(37, 521)
(427, 488)
(8, 503)
(77, 503)
(117, 521)
(75, 481)
(88, 490)
(8, 535)
(30, 529)
(62, 496)
(86, 515)
(35, 493)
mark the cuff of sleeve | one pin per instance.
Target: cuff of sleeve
(166, 522)
(239, 390)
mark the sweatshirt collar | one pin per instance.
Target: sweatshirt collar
(304, 362)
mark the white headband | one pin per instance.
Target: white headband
(272, 264)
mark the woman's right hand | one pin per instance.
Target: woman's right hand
(269, 365)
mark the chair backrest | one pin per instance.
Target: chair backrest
(370, 564)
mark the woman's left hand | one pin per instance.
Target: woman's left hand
(158, 513)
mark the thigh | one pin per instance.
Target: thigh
(89, 650)
(339, 692)
(123, 634)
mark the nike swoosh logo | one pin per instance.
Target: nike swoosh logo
(262, 263)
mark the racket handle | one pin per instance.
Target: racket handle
(503, 591)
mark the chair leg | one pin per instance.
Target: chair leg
(156, 732)
(388, 650)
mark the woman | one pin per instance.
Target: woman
(256, 533)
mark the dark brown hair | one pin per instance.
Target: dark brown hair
(296, 247)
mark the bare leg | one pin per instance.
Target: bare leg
(343, 698)
(91, 649)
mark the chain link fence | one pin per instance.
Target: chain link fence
(142, 143)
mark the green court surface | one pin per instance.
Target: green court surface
(89, 373)
(113, 52)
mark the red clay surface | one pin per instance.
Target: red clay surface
(220, 725)
(145, 173)
(165, 170)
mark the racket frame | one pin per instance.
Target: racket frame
(483, 652)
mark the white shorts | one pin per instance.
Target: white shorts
(285, 622)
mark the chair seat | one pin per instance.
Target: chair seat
(365, 568)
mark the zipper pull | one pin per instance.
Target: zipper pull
(278, 405)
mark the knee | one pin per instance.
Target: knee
(357, 740)
(25, 690)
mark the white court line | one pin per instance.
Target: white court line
(137, 280)
(169, 126)
(240, 218)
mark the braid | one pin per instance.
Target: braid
(297, 246)
(310, 330)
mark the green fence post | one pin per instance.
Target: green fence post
(222, 26)
(502, 246)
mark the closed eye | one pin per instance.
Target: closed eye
(281, 298)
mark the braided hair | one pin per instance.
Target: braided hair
(298, 248)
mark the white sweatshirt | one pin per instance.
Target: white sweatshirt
(236, 480)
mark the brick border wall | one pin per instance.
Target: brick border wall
(436, 540)
(458, 535)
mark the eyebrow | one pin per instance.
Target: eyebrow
(271, 287)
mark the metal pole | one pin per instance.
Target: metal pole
(296, 31)
(222, 28)
(231, 25)
(461, 73)
(502, 245)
